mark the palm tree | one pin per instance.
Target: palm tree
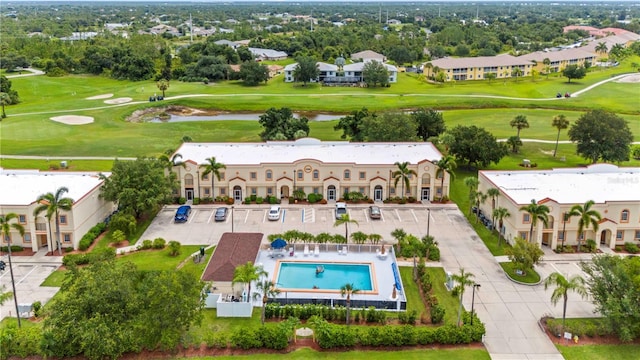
(601, 48)
(560, 122)
(348, 290)
(5, 232)
(346, 220)
(500, 214)
(479, 198)
(519, 122)
(563, 286)
(359, 237)
(547, 66)
(493, 193)
(471, 182)
(163, 85)
(52, 204)
(170, 162)
(399, 235)
(375, 238)
(463, 279)
(536, 212)
(267, 289)
(587, 217)
(516, 72)
(403, 174)
(514, 142)
(446, 164)
(246, 274)
(212, 167)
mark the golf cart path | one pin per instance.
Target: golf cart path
(577, 93)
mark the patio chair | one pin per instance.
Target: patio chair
(306, 250)
(344, 250)
(291, 253)
(316, 251)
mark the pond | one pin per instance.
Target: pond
(312, 116)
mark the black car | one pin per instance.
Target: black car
(221, 214)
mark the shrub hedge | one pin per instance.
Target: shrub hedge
(331, 336)
(89, 258)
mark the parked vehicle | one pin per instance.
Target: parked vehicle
(374, 212)
(221, 214)
(274, 213)
(341, 209)
(182, 214)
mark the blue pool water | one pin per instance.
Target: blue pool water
(298, 275)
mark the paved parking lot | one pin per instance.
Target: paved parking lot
(28, 277)
(202, 229)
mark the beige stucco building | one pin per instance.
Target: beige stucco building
(615, 191)
(19, 190)
(276, 168)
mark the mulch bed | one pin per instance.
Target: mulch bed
(24, 252)
(585, 340)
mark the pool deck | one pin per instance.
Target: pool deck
(382, 273)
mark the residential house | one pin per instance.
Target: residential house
(368, 55)
(268, 54)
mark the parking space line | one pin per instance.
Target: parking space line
(284, 214)
(365, 214)
(192, 216)
(381, 215)
(398, 215)
(210, 216)
(246, 217)
(414, 216)
(27, 274)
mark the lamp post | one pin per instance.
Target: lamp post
(473, 298)
(428, 220)
(232, 222)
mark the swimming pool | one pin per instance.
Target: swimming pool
(295, 275)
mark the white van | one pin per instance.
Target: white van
(341, 209)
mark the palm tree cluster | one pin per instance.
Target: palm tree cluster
(445, 165)
(295, 236)
(403, 174)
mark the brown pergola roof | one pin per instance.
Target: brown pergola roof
(234, 249)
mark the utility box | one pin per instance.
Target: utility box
(63, 164)
(449, 283)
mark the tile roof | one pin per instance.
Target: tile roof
(560, 55)
(233, 250)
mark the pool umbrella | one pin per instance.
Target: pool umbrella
(278, 243)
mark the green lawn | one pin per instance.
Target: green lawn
(460, 195)
(600, 352)
(147, 260)
(422, 354)
(411, 291)
(210, 323)
(28, 130)
(55, 279)
(445, 299)
(531, 276)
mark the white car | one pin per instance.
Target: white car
(274, 213)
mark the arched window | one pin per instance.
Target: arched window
(624, 216)
(347, 175)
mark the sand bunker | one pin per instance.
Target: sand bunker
(118, 101)
(73, 119)
(633, 78)
(100, 97)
